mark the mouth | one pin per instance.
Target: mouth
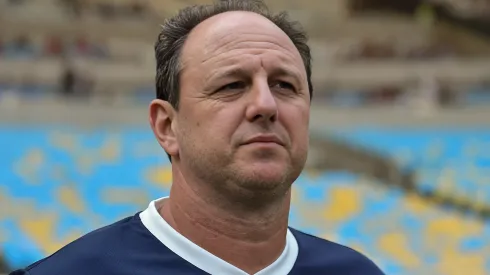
(265, 139)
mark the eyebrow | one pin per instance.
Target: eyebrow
(236, 71)
(286, 72)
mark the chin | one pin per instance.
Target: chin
(265, 176)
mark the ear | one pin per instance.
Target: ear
(162, 121)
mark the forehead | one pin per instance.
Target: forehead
(229, 35)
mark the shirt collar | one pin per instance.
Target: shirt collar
(204, 260)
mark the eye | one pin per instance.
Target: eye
(233, 86)
(283, 86)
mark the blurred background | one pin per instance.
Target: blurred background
(399, 166)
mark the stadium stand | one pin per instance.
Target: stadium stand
(455, 162)
(60, 183)
(61, 179)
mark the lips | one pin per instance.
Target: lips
(265, 139)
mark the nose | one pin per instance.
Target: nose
(262, 103)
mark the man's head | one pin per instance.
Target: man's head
(234, 91)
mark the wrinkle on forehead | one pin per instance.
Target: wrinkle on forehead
(236, 64)
(250, 42)
(230, 30)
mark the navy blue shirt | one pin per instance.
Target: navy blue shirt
(129, 247)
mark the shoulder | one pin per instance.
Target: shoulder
(316, 253)
(90, 253)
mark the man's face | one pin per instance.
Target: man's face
(244, 105)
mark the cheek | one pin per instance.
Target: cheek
(296, 120)
(216, 126)
(226, 124)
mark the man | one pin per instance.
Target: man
(234, 90)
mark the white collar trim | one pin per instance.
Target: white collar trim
(204, 260)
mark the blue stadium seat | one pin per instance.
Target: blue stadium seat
(60, 183)
(456, 160)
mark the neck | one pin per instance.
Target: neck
(258, 238)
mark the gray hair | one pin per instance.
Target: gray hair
(175, 31)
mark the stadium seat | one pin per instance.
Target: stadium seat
(60, 183)
(453, 161)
